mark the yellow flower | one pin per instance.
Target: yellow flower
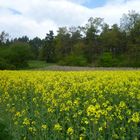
(57, 127)
(18, 114)
(26, 121)
(33, 123)
(85, 121)
(91, 110)
(81, 138)
(44, 126)
(122, 104)
(100, 128)
(32, 130)
(82, 100)
(109, 108)
(135, 117)
(70, 131)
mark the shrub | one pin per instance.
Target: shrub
(19, 54)
(107, 60)
(15, 56)
(73, 60)
(5, 65)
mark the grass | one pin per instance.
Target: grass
(36, 64)
(42, 65)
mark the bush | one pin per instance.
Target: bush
(129, 61)
(15, 56)
(107, 60)
(19, 54)
(73, 60)
(5, 65)
(132, 63)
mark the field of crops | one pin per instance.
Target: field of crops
(98, 105)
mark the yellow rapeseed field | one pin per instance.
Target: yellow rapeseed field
(98, 105)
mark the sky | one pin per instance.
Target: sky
(36, 17)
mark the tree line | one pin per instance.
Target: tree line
(95, 44)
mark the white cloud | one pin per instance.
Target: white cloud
(37, 17)
(80, 1)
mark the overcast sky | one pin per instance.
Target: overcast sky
(37, 17)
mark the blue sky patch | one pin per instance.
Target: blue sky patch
(15, 12)
(95, 3)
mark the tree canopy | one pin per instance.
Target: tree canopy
(95, 44)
